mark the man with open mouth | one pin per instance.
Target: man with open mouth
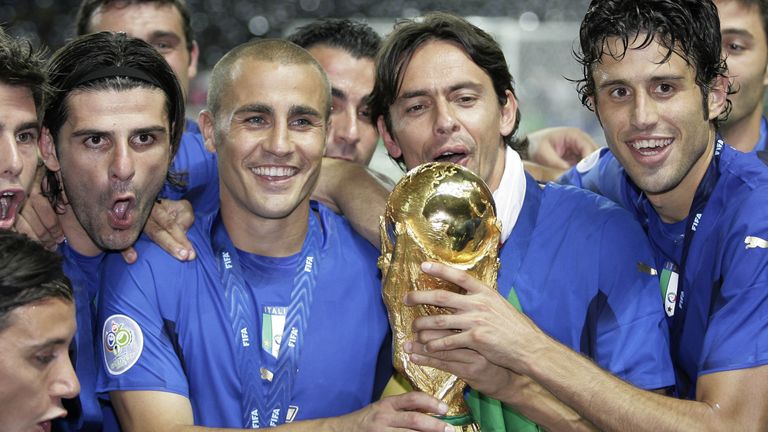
(22, 94)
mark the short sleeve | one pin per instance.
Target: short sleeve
(136, 350)
(198, 167)
(599, 172)
(632, 338)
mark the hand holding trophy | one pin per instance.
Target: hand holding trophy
(438, 212)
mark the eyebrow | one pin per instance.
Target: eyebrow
(738, 32)
(303, 110)
(458, 86)
(162, 34)
(338, 93)
(254, 108)
(614, 82)
(28, 125)
(48, 343)
(143, 130)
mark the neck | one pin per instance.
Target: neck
(675, 205)
(744, 133)
(264, 236)
(494, 179)
(76, 236)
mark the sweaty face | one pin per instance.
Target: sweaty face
(19, 135)
(746, 51)
(269, 137)
(447, 110)
(159, 25)
(652, 115)
(351, 136)
(35, 368)
(113, 152)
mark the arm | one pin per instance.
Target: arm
(149, 411)
(559, 147)
(732, 400)
(351, 189)
(167, 226)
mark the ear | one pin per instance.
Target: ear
(48, 150)
(717, 97)
(389, 143)
(508, 114)
(194, 53)
(207, 127)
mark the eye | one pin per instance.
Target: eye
(465, 100)
(45, 358)
(301, 123)
(144, 139)
(257, 121)
(27, 137)
(664, 88)
(95, 141)
(620, 92)
(415, 108)
(364, 114)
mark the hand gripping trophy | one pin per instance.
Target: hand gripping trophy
(438, 212)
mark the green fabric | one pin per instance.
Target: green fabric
(491, 414)
(460, 420)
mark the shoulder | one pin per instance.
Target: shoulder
(338, 232)
(581, 205)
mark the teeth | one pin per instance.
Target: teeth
(5, 204)
(274, 171)
(8, 194)
(650, 144)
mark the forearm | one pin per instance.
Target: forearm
(610, 403)
(351, 189)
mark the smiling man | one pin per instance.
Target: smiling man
(444, 93)
(22, 94)
(263, 328)
(37, 323)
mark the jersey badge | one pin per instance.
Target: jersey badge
(752, 242)
(123, 343)
(272, 326)
(668, 281)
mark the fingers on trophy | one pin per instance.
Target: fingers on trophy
(439, 212)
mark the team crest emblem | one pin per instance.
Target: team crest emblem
(123, 343)
(669, 280)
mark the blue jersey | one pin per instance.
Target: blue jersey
(762, 141)
(580, 267)
(726, 270)
(199, 171)
(178, 316)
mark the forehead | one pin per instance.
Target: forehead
(637, 64)
(276, 84)
(343, 69)
(39, 321)
(110, 110)
(736, 15)
(16, 103)
(138, 20)
(437, 64)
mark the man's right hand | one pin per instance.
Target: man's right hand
(167, 226)
(404, 412)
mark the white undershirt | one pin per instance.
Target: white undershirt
(510, 194)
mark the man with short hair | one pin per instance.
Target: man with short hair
(116, 119)
(22, 96)
(444, 93)
(346, 50)
(655, 77)
(264, 328)
(743, 25)
(37, 323)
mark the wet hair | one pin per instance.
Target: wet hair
(687, 28)
(28, 273)
(268, 50)
(108, 62)
(89, 7)
(23, 66)
(398, 48)
(356, 38)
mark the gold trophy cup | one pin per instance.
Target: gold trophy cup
(438, 212)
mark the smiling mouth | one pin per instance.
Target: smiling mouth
(650, 147)
(9, 203)
(451, 157)
(275, 172)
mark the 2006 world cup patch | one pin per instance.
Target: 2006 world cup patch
(123, 343)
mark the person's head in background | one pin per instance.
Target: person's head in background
(743, 25)
(164, 24)
(37, 323)
(346, 50)
(116, 120)
(23, 91)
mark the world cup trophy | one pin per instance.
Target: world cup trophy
(439, 212)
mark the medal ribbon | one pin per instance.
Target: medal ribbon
(265, 404)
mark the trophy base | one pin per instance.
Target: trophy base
(461, 423)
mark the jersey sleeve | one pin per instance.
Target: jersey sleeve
(136, 351)
(631, 335)
(737, 333)
(198, 167)
(599, 172)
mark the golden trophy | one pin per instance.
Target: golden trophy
(437, 212)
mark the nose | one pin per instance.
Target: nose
(65, 384)
(445, 118)
(345, 131)
(644, 112)
(278, 142)
(123, 166)
(11, 162)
